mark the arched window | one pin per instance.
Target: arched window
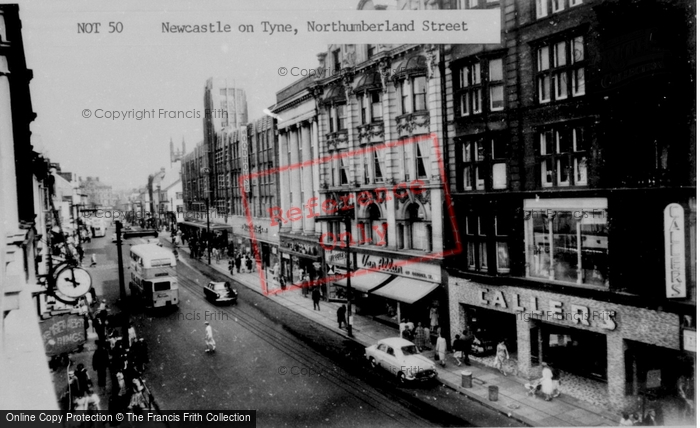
(418, 228)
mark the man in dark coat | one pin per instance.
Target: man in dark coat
(467, 339)
(341, 316)
(238, 263)
(316, 297)
(100, 362)
(83, 378)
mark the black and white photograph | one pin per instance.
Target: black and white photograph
(348, 213)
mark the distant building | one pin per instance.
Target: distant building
(98, 193)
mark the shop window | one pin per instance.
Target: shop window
(563, 159)
(561, 70)
(547, 7)
(568, 245)
(484, 164)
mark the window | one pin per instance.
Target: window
(483, 164)
(336, 60)
(560, 70)
(336, 114)
(496, 86)
(406, 97)
(563, 159)
(413, 94)
(419, 87)
(470, 82)
(222, 92)
(546, 7)
(467, 4)
(416, 159)
(501, 231)
(477, 245)
(370, 107)
(371, 50)
(344, 173)
(418, 230)
(567, 240)
(378, 166)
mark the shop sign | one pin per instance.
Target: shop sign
(243, 133)
(674, 246)
(420, 271)
(690, 340)
(553, 311)
(255, 228)
(63, 333)
(337, 257)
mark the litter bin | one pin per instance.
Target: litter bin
(466, 379)
(493, 393)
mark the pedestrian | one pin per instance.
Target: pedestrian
(249, 263)
(556, 375)
(547, 384)
(467, 340)
(434, 318)
(407, 334)
(93, 260)
(84, 382)
(215, 252)
(230, 267)
(316, 297)
(457, 347)
(100, 362)
(626, 421)
(428, 340)
(132, 335)
(81, 253)
(420, 337)
(238, 263)
(685, 402)
(501, 356)
(120, 391)
(209, 338)
(650, 418)
(341, 316)
(441, 349)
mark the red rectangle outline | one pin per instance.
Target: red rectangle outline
(312, 162)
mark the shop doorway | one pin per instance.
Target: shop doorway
(579, 352)
(489, 327)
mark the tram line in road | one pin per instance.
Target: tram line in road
(310, 358)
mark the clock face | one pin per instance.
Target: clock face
(73, 282)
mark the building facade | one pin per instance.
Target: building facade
(568, 186)
(99, 193)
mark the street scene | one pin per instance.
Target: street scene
(487, 217)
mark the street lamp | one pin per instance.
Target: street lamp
(347, 218)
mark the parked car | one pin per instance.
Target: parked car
(221, 292)
(402, 359)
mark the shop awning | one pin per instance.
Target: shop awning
(212, 226)
(366, 281)
(406, 290)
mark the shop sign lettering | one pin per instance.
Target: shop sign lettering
(63, 333)
(257, 229)
(244, 158)
(552, 311)
(420, 271)
(674, 245)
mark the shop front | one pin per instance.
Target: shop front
(619, 348)
(256, 236)
(300, 261)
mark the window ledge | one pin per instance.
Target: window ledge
(371, 132)
(415, 123)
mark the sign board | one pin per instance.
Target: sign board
(338, 258)
(690, 340)
(420, 271)
(63, 333)
(674, 251)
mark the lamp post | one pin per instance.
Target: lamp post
(208, 233)
(346, 219)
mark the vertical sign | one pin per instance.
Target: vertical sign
(243, 137)
(674, 245)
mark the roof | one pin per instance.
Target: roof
(397, 342)
(171, 177)
(152, 250)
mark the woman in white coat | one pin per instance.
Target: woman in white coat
(547, 382)
(441, 349)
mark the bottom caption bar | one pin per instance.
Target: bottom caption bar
(170, 419)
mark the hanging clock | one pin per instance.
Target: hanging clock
(71, 283)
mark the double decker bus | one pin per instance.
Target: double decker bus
(99, 226)
(153, 275)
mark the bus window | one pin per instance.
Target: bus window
(161, 286)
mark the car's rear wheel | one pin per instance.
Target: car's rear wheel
(373, 363)
(402, 378)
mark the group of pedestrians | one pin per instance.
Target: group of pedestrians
(419, 335)
(240, 260)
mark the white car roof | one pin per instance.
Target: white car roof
(396, 342)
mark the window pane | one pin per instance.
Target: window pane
(502, 225)
(541, 8)
(547, 173)
(498, 149)
(341, 117)
(378, 168)
(578, 84)
(471, 256)
(480, 150)
(483, 259)
(543, 88)
(560, 91)
(594, 248)
(499, 176)
(557, 5)
(496, 96)
(543, 59)
(564, 141)
(577, 49)
(580, 170)
(406, 96)
(376, 99)
(564, 168)
(502, 257)
(476, 74)
(464, 104)
(496, 70)
(420, 163)
(538, 248)
(546, 143)
(419, 93)
(565, 253)
(560, 54)
(467, 152)
(467, 176)
(476, 101)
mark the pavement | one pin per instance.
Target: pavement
(512, 399)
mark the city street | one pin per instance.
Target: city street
(290, 370)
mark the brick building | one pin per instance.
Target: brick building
(571, 159)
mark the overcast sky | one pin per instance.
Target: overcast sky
(141, 68)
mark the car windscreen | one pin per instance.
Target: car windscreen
(409, 350)
(161, 286)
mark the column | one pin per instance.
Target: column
(616, 370)
(295, 176)
(308, 176)
(523, 326)
(316, 171)
(436, 201)
(283, 177)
